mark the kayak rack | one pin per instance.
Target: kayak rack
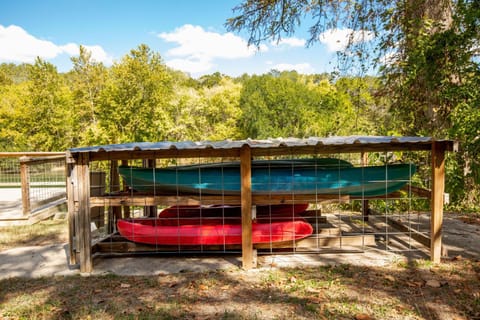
(92, 195)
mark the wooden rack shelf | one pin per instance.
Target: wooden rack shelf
(81, 200)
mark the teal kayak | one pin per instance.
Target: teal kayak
(301, 176)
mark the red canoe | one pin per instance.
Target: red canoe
(185, 215)
(151, 231)
(230, 211)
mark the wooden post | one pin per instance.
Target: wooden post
(365, 208)
(126, 209)
(438, 187)
(246, 201)
(71, 178)
(97, 188)
(83, 231)
(25, 181)
(150, 211)
(114, 213)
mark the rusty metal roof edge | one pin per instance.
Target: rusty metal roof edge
(253, 143)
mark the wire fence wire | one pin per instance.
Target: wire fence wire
(391, 222)
(44, 181)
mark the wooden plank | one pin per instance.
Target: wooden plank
(149, 211)
(25, 182)
(71, 177)
(83, 230)
(414, 234)
(312, 243)
(126, 209)
(319, 241)
(114, 213)
(144, 199)
(97, 188)
(438, 188)
(246, 201)
(365, 209)
(123, 246)
(43, 160)
(29, 154)
(421, 192)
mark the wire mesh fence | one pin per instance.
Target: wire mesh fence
(46, 180)
(29, 184)
(300, 204)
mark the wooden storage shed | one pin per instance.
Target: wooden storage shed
(85, 197)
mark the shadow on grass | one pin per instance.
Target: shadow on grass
(414, 290)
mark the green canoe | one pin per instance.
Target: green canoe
(299, 176)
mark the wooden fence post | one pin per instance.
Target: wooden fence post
(71, 200)
(83, 230)
(246, 200)
(25, 182)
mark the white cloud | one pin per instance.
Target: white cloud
(338, 39)
(304, 68)
(190, 65)
(197, 48)
(17, 45)
(292, 42)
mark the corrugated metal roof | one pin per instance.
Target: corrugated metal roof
(267, 143)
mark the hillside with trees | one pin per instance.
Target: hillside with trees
(430, 87)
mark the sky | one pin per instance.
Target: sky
(189, 35)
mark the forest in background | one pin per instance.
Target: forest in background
(140, 99)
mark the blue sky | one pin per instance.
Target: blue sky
(190, 35)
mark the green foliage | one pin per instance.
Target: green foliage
(135, 102)
(287, 104)
(87, 81)
(433, 91)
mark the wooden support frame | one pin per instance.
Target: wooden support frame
(82, 217)
(80, 201)
(71, 200)
(246, 201)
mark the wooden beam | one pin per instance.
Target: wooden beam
(365, 209)
(414, 234)
(30, 154)
(83, 231)
(149, 211)
(25, 182)
(145, 199)
(438, 188)
(71, 177)
(126, 209)
(311, 243)
(246, 201)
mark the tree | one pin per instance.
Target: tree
(13, 102)
(135, 104)
(285, 104)
(427, 51)
(413, 44)
(44, 119)
(87, 80)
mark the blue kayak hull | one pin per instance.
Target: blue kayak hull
(275, 179)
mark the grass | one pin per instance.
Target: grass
(42, 233)
(293, 293)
